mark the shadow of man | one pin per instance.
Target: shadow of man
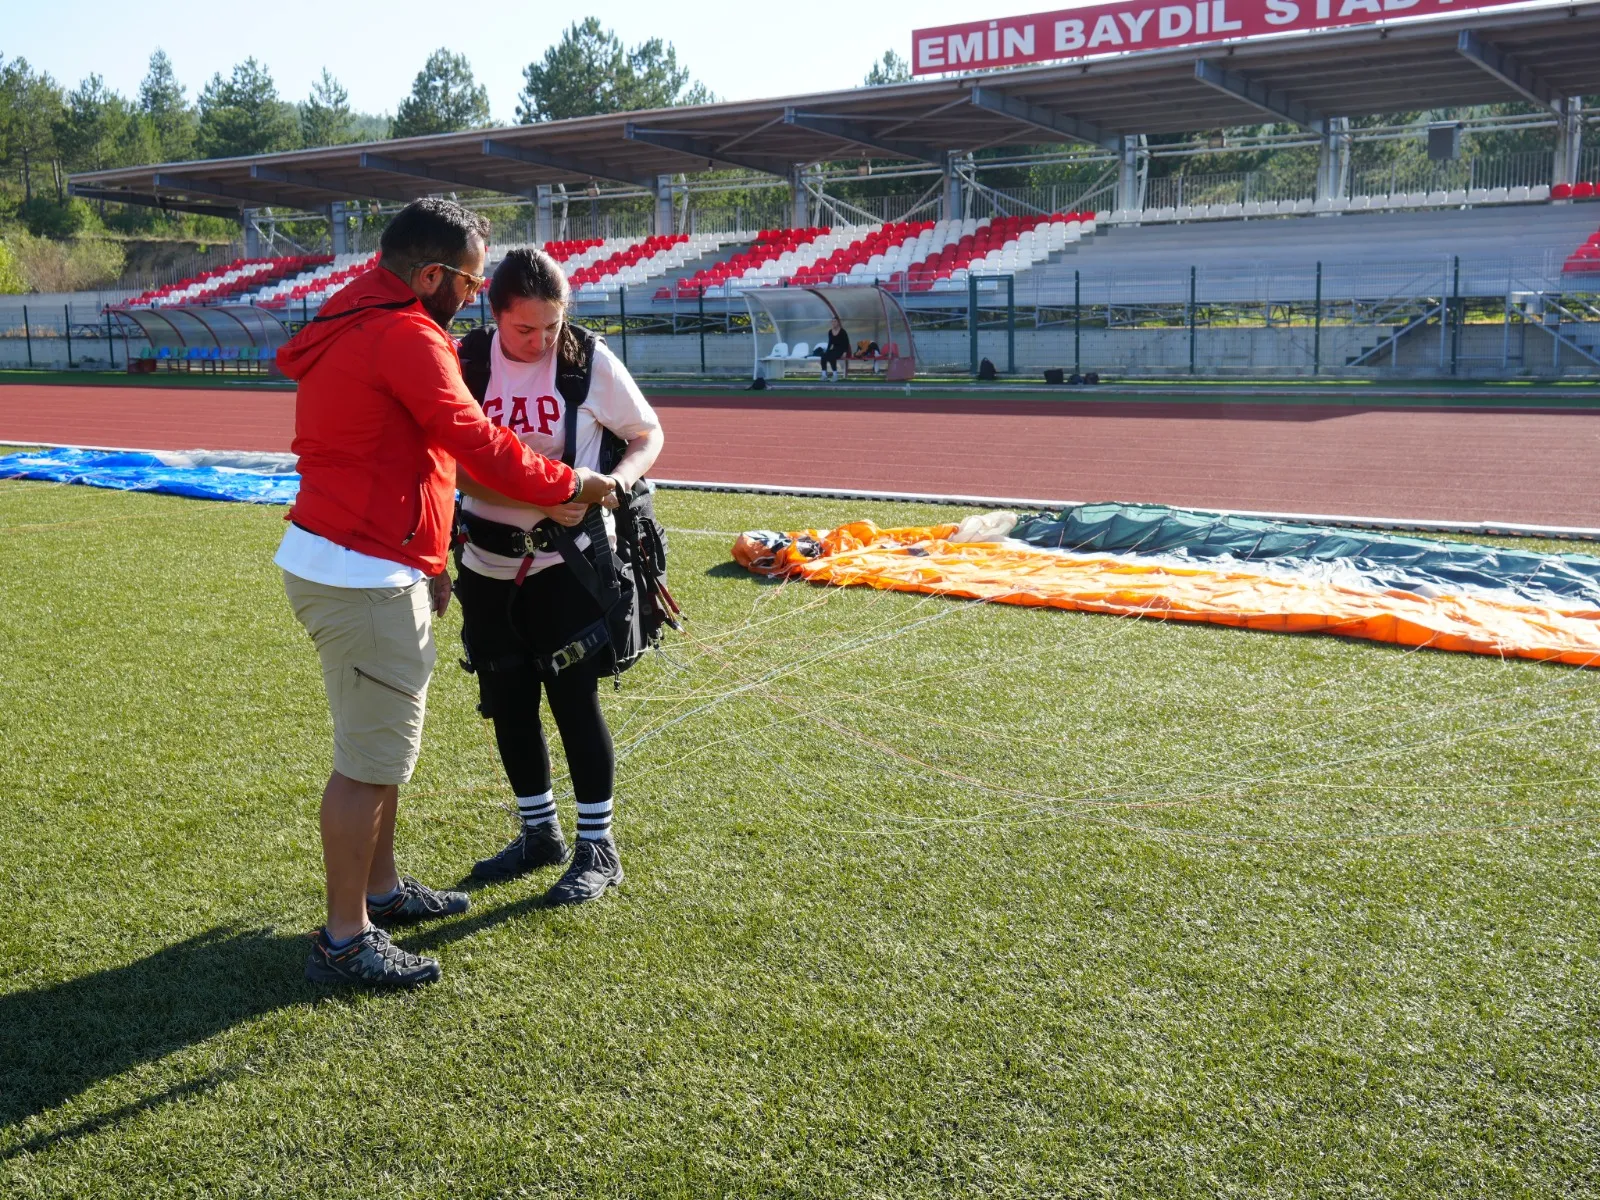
(57, 1041)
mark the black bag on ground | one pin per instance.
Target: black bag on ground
(986, 370)
(1054, 375)
(628, 586)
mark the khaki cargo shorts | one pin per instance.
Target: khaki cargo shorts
(377, 651)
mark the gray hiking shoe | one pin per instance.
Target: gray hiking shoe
(414, 902)
(595, 867)
(371, 960)
(531, 849)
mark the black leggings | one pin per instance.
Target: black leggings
(830, 362)
(501, 623)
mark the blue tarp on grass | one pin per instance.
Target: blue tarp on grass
(251, 478)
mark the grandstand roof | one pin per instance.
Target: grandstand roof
(1540, 51)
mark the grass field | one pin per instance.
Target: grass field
(924, 898)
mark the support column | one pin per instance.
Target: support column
(339, 226)
(800, 217)
(543, 223)
(1569, 140)
(252, 234)
(950, 203)
(1333, 160)
(1128, 197)
(663, 204)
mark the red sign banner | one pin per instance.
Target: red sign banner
(1148, 25)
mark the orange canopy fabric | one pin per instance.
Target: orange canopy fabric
(922, 560)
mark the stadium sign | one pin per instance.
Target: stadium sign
(1131, 25)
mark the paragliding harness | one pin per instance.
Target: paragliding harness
(628, 586)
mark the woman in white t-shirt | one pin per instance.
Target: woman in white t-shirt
(520, 609)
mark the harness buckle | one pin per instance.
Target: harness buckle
(534, 541)
(569, 655)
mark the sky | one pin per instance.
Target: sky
(741, 51)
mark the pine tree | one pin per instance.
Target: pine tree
(444, 98)
(325, 118)
(162, 102)
(589, 72)
(243, 115)
(92, 129)
(890, 69)
(30, 105)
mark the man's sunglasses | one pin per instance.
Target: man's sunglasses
(477, 281)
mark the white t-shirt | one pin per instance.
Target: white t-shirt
(522, 397)
(314, 558)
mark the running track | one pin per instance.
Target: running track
(1533, 466)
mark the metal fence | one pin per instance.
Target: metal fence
(1440, 318)
(978, 202)
(184, 266)
(1245, 187)
(1530, 169)
(772, 210)
(576, 220)
(775, 208)
(67, 335)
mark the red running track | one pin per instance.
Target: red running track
(1525, 465)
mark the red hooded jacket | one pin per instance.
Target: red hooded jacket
(380, 417)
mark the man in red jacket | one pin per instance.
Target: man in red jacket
(381, 418)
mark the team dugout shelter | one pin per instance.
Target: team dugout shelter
(212, 337)
(1116, 72)
(790, 326)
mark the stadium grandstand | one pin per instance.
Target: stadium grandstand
(1392, 249)
(248, 278)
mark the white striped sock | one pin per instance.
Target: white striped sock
(594, 821)
(537, 810)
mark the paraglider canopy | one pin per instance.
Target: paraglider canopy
(788, 324)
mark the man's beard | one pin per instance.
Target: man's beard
(442, 304)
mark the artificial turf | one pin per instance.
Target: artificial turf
(924, 898)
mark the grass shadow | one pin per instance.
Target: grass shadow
(60, 1040)
(92, 1125)
(732, 570)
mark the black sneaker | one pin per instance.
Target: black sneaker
(414, 902)
(370, 959)
(595, 867)
(531, 849)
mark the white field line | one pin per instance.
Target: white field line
(1502, 528)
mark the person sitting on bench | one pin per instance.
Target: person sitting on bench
(836, 348)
